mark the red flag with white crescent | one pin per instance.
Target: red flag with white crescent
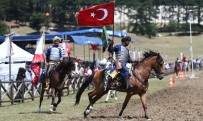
(99, 15)
(38, 59)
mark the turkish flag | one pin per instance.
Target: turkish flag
(100, 15)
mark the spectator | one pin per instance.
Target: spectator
(89, 71)
(81, 70)
(176, 68)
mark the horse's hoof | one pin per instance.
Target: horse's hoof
(39, 110)
(54, 108)
(149, 119)
(85, 115)
(87, 112)
(106, 101)
(51, 110)
(121, 118)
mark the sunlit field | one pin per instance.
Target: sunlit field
(171, 46)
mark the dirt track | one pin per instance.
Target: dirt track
(182, 102)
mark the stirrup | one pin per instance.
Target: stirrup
(129, 87)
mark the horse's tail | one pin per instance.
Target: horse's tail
(82, 88)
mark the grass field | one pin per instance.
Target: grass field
(170, 45)
(66, 110)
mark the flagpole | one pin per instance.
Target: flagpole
(9, 58)
(113, 26)
(113, 21)
(113, 18)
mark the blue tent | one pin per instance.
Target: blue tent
(1, 38)
(61, 34)
(83, 40)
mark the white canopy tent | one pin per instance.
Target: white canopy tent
(18, 53)
(18, 59)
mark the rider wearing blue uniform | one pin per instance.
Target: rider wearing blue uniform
(54, 53)
(123, 56)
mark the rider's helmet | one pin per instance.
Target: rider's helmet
(126, 38)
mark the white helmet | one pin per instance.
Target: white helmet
(56, 38)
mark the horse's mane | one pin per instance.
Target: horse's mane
(64, 64)
(150, 53)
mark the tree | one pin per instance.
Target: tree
(37, 20)
(172, 26)
(4, 29)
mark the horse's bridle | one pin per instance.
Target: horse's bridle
(154, 74)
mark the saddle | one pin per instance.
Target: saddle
(112, 80)
(46, 75)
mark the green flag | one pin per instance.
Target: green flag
(104, 38)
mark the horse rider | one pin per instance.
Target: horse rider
(122, 56)
(54, 54)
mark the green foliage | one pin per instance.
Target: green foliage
(151, 30)
(172, 26)
(184, 27)
(4, 29)
(37, 20)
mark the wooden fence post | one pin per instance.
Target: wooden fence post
(11, 92)
(32, 88)
(23, 90)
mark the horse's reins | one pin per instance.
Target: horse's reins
(139, 79)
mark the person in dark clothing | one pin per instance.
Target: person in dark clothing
(176, 66)
(123, 57)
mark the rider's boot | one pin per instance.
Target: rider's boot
(129, 86)
(47, 84)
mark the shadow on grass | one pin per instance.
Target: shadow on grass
(114, 117)
(42, 112)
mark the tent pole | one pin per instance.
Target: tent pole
(98, 52)
(10, 82)
(74, 48)
(89, 52)
(84, 51)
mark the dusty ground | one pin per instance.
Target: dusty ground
(182, 102)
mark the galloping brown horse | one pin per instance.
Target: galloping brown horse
(139, 80)
(56, 77)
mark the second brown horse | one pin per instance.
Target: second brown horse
(139, 80)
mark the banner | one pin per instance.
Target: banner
(104, 38)
(100, 15)
(38, 59)
(66, 47)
